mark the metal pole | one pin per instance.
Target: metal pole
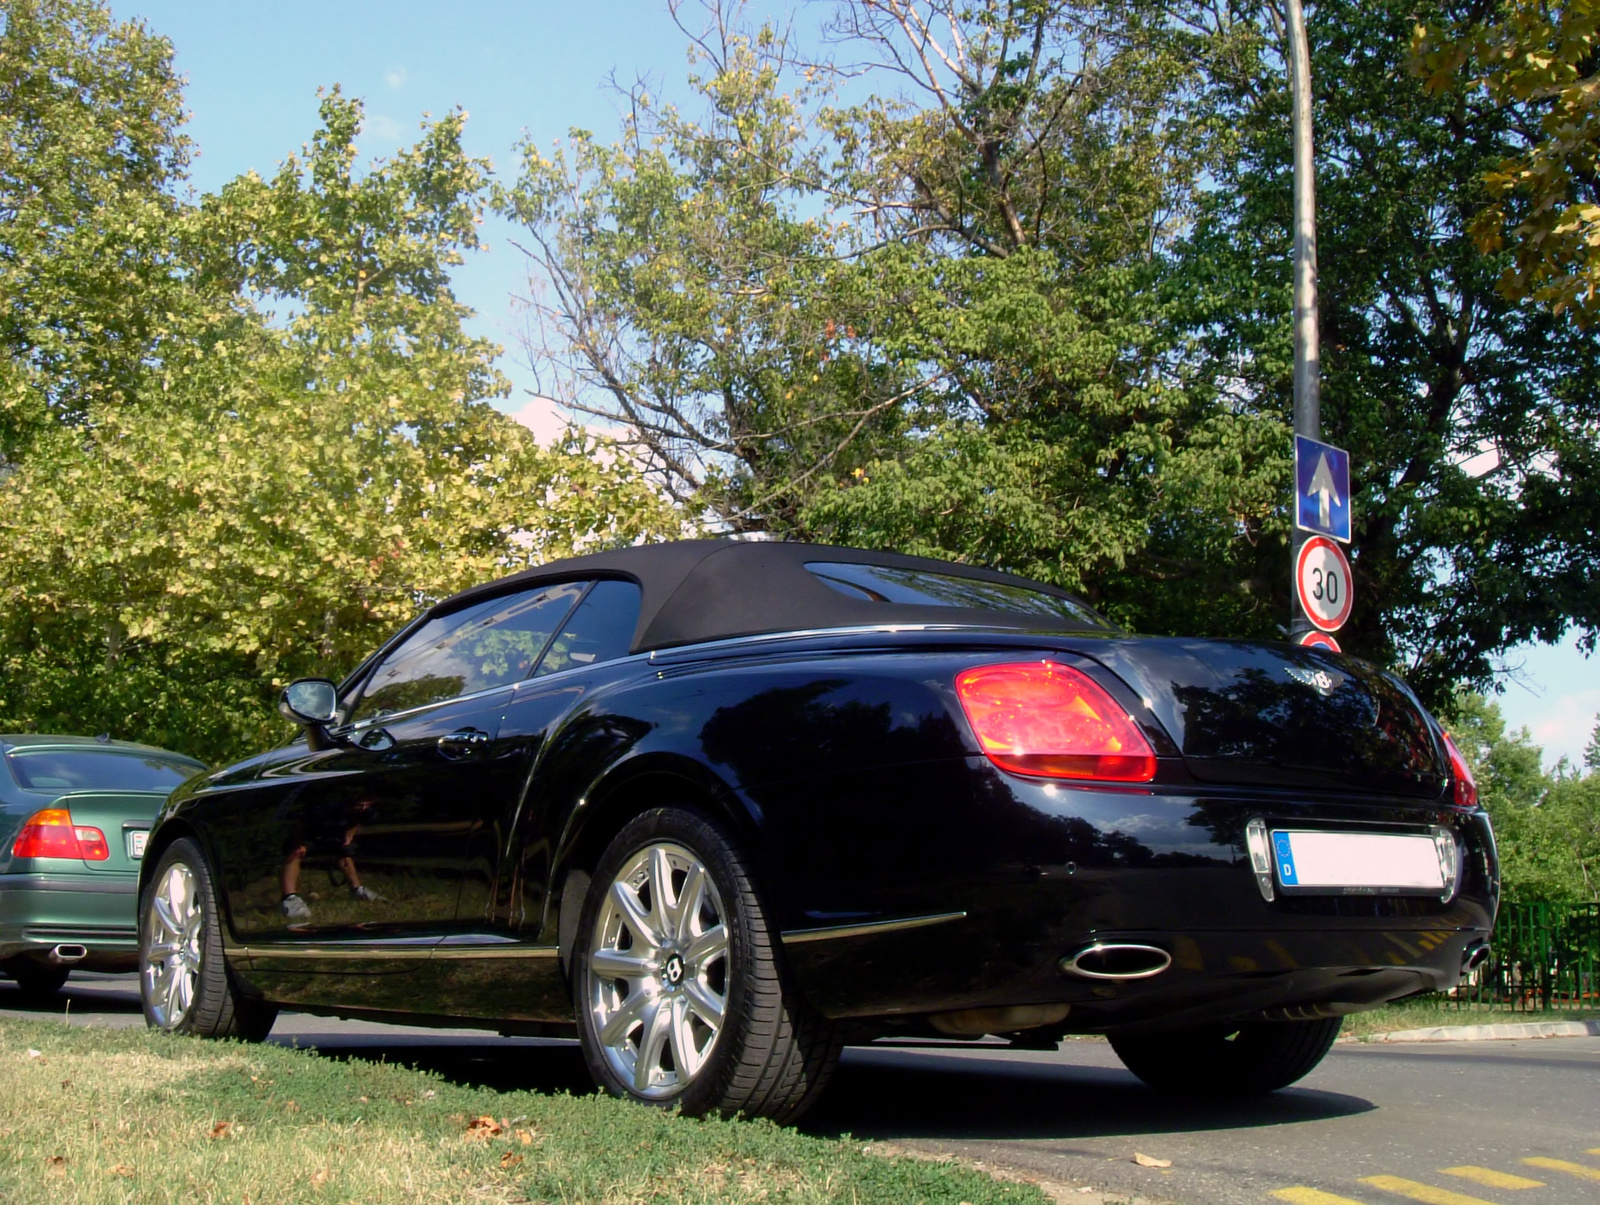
(1307, 380)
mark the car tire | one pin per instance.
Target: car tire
(1240, 1060)
(185, 983)
(684, 1002)
(37, 981)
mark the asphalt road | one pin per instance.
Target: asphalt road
(1444, 1123)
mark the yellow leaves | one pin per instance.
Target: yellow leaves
(481, 1129)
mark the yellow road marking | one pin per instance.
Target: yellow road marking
(1311, 1196)
(1561, 1165)
(1418, 1191)
(1490, 1178)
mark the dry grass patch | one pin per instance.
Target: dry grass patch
(94, 1116)
(1428, 1011)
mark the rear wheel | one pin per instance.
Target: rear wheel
(184, 981)
(38, 981)
(1228, 1060)
(680, 996)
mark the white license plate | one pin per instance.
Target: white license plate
(1356, 862)
(136, 839)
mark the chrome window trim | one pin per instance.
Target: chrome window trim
(800, 936)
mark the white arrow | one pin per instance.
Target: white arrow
(1323, 489)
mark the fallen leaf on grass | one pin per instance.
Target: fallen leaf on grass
(120, 1169)
(56, 1165)
(291, 1107)
(221, 1129)
(510, 1160)
(1148, 1161)
(481, 1129)
(525, 1137)
(319, 1177)
(65, 1084)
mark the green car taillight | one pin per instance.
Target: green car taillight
(50, 833)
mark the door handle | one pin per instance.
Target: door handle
(464, 742)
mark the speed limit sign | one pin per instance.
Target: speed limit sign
(1322, 576)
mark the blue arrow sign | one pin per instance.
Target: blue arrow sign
(1322, 489)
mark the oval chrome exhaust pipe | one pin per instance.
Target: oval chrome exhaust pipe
(1117, 960)
(68, 953)
(1474, 957)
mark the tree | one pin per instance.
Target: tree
(697, 298)
(1536, 61)
(925, 321)
(1547, 826)
(91, 278)
(301, 488)
(1473, 421)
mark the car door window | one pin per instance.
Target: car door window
(601, 629)
(494, 643)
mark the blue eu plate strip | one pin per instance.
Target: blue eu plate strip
(1285, 854)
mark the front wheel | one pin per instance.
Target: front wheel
(185, 985)
(1234, 1060)
(680, 997)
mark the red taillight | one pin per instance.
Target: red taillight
(51, 834)
(1041, 718)
(1463, 787)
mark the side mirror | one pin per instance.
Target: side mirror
(310, 701)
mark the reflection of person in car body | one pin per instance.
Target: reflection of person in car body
(300, 844)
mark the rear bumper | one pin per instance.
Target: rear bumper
(41, 911)
(1025, 874)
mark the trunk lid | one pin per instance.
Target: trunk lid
(1282, 715)
(117, 814)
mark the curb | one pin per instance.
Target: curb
(1490, 1033)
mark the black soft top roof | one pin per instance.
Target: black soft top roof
(697, 590)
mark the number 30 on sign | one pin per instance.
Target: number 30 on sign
(1322, 576)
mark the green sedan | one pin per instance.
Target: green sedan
(74, 815)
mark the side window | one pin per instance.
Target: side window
(491, 644)
(601, 629)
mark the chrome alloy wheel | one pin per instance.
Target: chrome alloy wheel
(659, 970)
(172, 954)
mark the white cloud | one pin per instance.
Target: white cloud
(395, 77)
(1550, 689)
(386, 128)
(1563, 727)
(544, 417)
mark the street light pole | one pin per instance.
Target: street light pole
(1307, 378)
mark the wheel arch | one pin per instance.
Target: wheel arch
(627, 790)
(165, 836)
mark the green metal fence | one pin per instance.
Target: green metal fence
(1544, 956)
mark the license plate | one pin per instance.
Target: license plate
(1356, 863)
(136, 839)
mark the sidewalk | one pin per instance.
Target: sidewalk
(1487, 1033)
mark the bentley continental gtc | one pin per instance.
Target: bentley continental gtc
(717, 808)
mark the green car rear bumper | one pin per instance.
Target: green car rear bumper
(40, 911)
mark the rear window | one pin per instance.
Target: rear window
(920, 588)
(55, 770)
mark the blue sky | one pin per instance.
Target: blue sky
(539, 68)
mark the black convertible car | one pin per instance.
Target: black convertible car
(717, 808)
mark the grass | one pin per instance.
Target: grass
(1427, 1011)
(94, 1115)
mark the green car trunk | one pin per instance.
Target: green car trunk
(51, 908)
